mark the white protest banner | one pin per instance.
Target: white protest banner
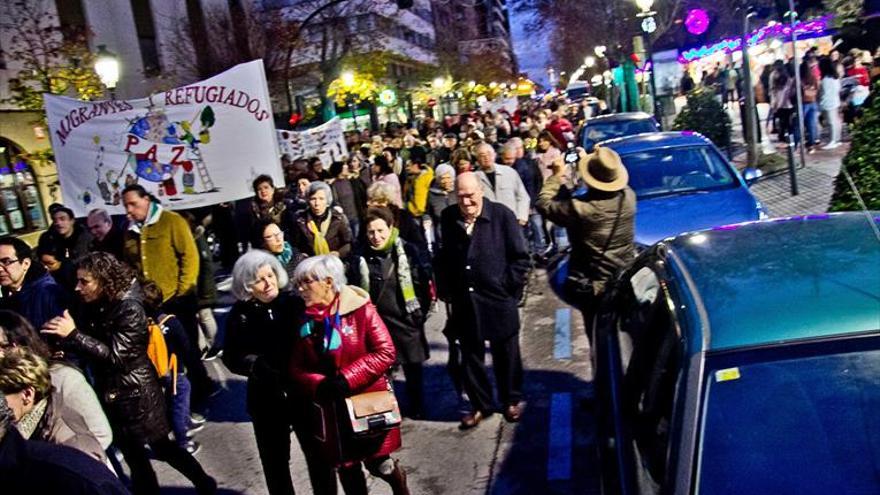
(192, 146)
(327, 142)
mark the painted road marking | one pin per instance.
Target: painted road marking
(562, 346)
(559, 448)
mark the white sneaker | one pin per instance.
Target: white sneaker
(832, 145)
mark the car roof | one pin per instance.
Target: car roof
(652, 140)
(773, 281)
(617, 117)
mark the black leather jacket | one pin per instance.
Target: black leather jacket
(113, 337)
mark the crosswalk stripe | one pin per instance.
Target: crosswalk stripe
(562, 334)
(559, 445)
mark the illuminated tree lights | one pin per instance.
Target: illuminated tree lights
(811, 29)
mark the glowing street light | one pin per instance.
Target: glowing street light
(645, 5)
(590, 61)
(348, 78)
(439, 82)
(107, 67)
(600, 51)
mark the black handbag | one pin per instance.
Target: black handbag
(580, 288)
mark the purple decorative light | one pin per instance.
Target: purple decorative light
(697, 21)
(805, 30)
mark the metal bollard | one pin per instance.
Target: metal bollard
(792, 170)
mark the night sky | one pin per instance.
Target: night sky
(531, 51)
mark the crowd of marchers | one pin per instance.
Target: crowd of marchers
(334, 274)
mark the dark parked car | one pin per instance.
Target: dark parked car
(615, 125)
(744, 360)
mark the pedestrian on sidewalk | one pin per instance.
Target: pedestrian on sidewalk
(481, 270)
(829, 101)
(781, 91)
(259, 336)
(111, 333)
(393, 273)
(601, 225)
(344, 349)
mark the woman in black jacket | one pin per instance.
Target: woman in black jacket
(260, 332)
(319, 228)
(391, 271)
(112, 334)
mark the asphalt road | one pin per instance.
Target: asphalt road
(550, 451)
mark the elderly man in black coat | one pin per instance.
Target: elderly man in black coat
(481, 270)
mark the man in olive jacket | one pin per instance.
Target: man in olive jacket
(601, 225)
(481, 270)
(160, 245)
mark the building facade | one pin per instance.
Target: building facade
(152, 42)
(472, 29)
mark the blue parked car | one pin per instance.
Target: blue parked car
(683, 183)
(744, 360)
(615, 125)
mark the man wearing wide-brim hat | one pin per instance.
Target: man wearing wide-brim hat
(600, 224)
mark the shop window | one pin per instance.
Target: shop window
(21, 209)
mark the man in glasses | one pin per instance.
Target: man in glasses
(25, 286)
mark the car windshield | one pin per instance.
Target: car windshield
(806, 425)
(597, 132)
(669, 171)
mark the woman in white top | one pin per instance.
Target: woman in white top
(829, 101)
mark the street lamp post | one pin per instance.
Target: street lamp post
(649, 25)
(107, 67)
(750, 113)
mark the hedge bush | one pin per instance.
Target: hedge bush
(862, 161)
(704, 114)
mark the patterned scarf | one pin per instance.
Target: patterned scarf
(30, 421)
(324, 323)
(320, 245)
(286, 254)
(404, 275)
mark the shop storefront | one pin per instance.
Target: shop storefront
(21, 206)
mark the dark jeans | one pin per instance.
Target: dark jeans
(143, 478)
(177, 406)
(506, 363)
(272, 431)
(185, 309)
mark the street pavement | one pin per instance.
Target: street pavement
(550, 451)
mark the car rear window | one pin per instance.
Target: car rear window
(809, 425)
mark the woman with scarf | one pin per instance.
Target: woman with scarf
(344, 349)
(269, 204)
(319, 228)
(398, 283)
(259, 337)
(270, 237)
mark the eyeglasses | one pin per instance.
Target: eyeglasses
(5, 262)
(303, 284)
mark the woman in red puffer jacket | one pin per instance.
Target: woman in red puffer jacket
(344, 349)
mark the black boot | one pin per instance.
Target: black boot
(352, 480)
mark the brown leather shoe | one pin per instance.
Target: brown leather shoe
(471, 420)
(513, 413)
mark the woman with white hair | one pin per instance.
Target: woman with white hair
(319, 228)
(258, 343)
(441, 196)
(344, 349)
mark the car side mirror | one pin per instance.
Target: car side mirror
(751, 175)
